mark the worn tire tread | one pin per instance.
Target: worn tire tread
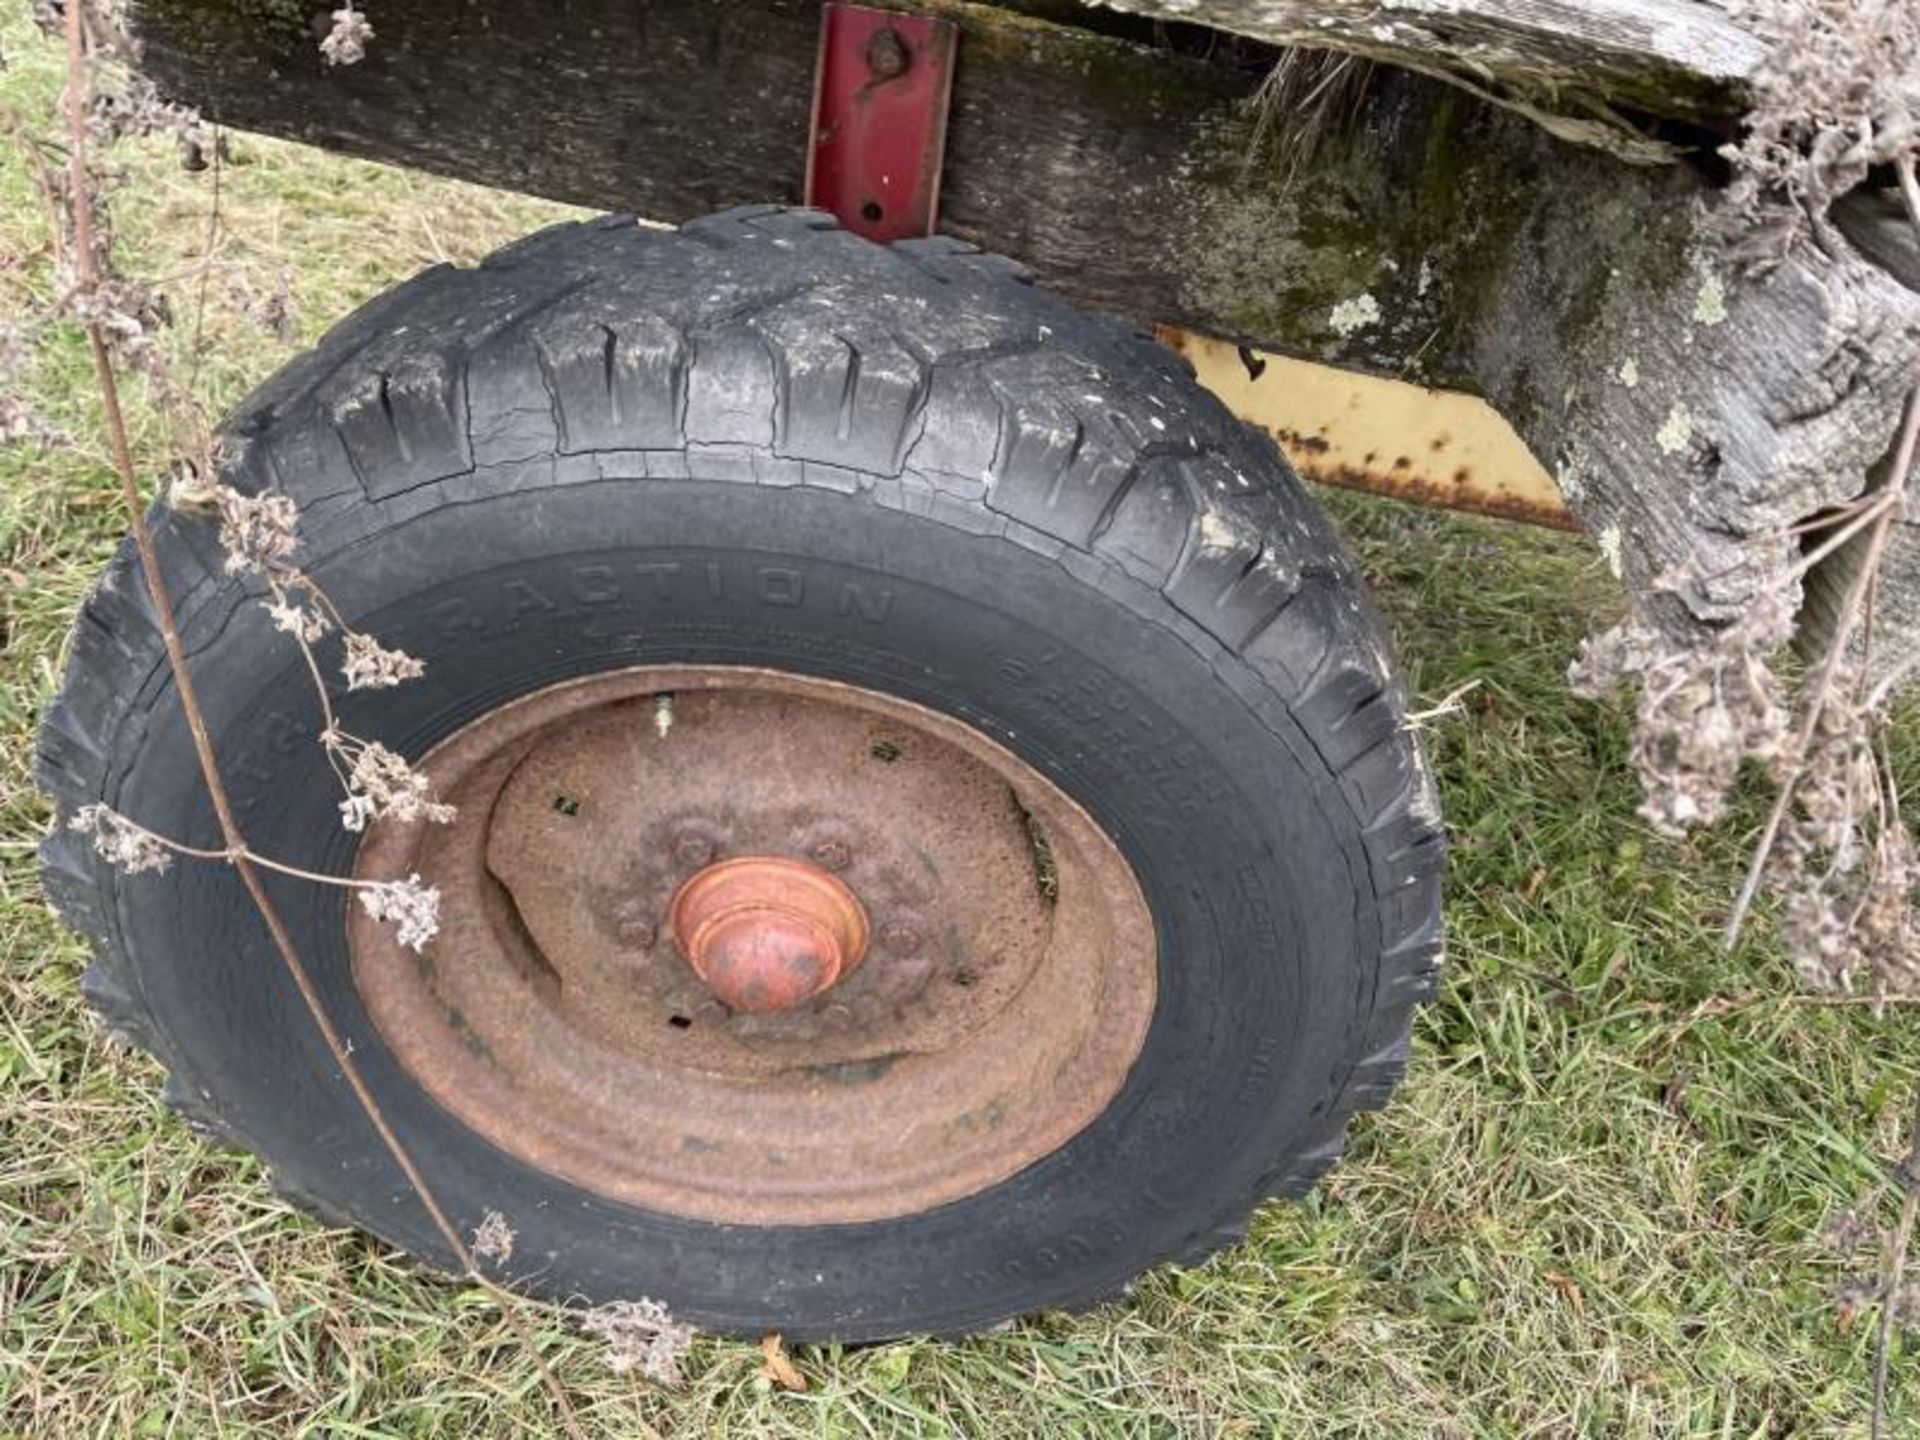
(1204, 512)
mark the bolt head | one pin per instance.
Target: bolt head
(899, 937)
(693, 850)
(887, 54)
(832, 854)
(908, 976)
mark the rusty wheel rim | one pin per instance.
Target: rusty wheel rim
(757, 948)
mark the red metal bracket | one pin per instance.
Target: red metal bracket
(880, 96)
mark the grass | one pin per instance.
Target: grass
(1593, 1211)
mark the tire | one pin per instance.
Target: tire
(1086, 559)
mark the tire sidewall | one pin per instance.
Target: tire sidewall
(1251, 861)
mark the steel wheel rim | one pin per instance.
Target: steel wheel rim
(1003, 990)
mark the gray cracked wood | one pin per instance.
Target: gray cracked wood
(1879, 226)
(1683, 58)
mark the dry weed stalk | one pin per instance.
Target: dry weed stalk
(119, 321)
(1832, 103)
(1305, 100)
(20, 424)
(1899, 1302)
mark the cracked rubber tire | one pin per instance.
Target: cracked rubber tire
(1082, 555)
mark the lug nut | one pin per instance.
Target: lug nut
(832, 854)
(693, 850)
(634, 923)
(899, 937)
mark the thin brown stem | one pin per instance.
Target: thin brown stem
(43, 182)
(87, 280)
(252, 857)
(1908, 1173)
(1826, 519)
(1909, 1169)
(1821, 683)
(320, 598)
(180, 847)
(200, 289)
(1893, 680)
(319, 679)
(1870, 513)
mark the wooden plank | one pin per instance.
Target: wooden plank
(1685, 58)
(1691, 415)
(1083, 154)
(1434, 239)
(1131, 179)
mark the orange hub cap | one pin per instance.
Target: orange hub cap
(766, 933)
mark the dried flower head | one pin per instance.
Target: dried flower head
(258, 532)
(121, 843)
(369, 665)
(189, 486)
(22, 425)
(1832, 99)
(18, 422)
(1843, 865)
(129, 316)
(410, 904)
(1705, 707)
(493, 1239)
(380, 783)
(346, 42)
(135, 107)
(641, 1335)
(1867, 1245)
(1849, 871)
(1851, 1230)
(275, 310)
(302, 621)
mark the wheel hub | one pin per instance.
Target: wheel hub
(754, 948)
(766, 932)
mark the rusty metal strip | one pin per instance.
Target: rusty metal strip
(880, 96)
(1432, 447)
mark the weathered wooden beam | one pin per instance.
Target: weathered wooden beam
(1878, 224)
(1575, 59)
(1691, 414)
(1434, 238)
(1076, 151)
(1131, 179)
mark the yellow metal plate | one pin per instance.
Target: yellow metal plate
(1433, 447)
